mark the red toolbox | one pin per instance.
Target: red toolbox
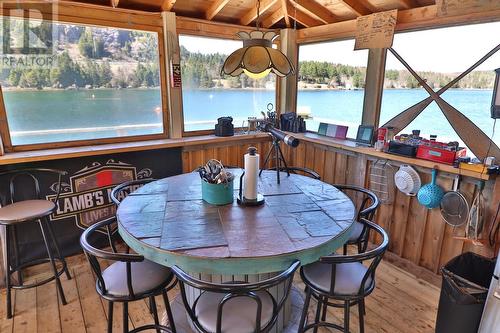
(439, 154)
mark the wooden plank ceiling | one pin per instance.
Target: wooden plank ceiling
(274, 13)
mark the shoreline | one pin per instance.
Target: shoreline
(50, 89)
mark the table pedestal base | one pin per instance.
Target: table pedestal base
(297, 302)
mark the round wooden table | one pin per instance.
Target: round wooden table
(302, 218)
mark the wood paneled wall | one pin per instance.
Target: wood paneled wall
(420, 241)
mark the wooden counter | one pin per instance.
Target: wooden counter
(349, 145)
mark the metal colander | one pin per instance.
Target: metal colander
(454, 206)
(430, 195)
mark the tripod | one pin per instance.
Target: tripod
(276, 150)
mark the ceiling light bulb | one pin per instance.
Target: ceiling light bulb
(257, 76)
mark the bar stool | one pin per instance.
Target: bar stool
(235, 306)
(15, 212)
(369, 204)
(341, 281)
(129, 278)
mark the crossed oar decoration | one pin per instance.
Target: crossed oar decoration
(478, 142)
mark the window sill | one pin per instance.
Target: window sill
(93, 150)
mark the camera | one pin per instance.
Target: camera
(224, 126)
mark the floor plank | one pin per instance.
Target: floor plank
(25, 311)
(401, 303)
(47, 309)
(71, 313)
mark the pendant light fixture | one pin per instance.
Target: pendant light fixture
(257, 58)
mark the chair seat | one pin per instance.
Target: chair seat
(357, 229)
(146, 277)
(348, 277)
(238, 314)
(26, 210)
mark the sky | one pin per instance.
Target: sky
(447, 50)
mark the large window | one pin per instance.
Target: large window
(208, 95)
(439, 56)
(88, 83)
(331, 84)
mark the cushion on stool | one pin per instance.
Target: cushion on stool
(357, 229)
(238, 314)
(146, 276)
(348, 277)
(26, 210)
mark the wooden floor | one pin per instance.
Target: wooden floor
(400, 303)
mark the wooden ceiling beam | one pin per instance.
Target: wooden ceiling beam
(316, 10)
(408, 20)
(272, 19)
(358, 7)
(302, 17)
(251, 15)
(167, 5)
(215, 8)
(284, 9)
(408, 4)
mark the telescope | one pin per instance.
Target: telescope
(265, 126)
(278, 136)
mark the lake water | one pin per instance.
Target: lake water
(41, 116)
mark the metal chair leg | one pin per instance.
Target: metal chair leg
(56, 245)
(152, 301)
(169, 312)
(304, 311)
(6, 250)
(361, 310)
(110, 317)
(318, 313)
(125, 317)
(325, 307)
(53, 264)
(346, 316)
(16, 255)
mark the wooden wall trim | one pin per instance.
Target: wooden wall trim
(199, 27)
(287, 90)
(408, 20)
(174, 94)
(94, 150)
(71, 11)
(374, 86)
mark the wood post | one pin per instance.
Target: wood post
(287, 89)
(172, 58)
(374, 86)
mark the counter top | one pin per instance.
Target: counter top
(350, 145)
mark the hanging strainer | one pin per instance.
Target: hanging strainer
(454, 206)
(430, 195)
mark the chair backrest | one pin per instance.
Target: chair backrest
(237, 289)
(94, 254)
(121, 191)
(375, 255)
(300, 171)
(23, 178)
(369, 202)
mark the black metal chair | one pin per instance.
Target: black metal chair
(23, 207)
(235, 306)
(366, 210)
(129, 278)
(301, 171)
(341, 281)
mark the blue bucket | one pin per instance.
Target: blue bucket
(217, 194)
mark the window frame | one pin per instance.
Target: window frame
(333, 40)
(89, 21)
(212, 131)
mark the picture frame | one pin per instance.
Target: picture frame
(365, 135)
